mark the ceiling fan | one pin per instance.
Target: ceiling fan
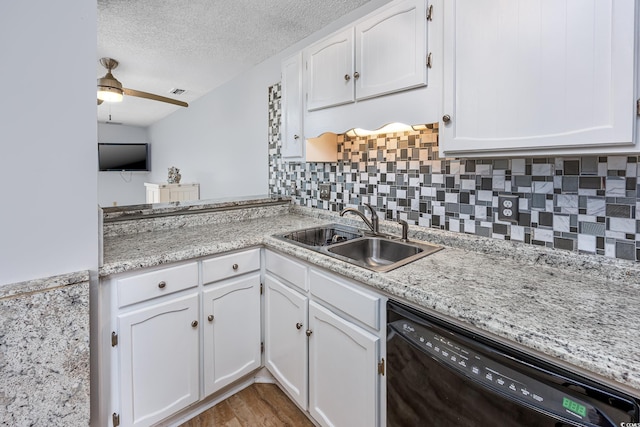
(111, 90)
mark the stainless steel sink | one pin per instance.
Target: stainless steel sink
(380, 253)
(322, 236)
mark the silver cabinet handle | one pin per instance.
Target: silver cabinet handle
(347, 77)
(210, 318)
(162, 284)
(309, 332)
(298, 325)
(356, 75)
(446, 118)
(194, 324)
(234, 266)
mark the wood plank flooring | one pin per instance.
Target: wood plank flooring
(263, 405)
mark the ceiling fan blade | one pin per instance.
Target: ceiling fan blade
(140, 94)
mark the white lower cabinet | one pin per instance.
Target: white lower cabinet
(343, 375)
(158, 355)
(285, 338)
(172, 336)
(325, 351)
(176, 335)
(231, 312)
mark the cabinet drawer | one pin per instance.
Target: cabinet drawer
(292, 271)
(231, 265)
(157, 283)
(356, 303)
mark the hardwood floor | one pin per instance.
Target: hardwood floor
(259, 405)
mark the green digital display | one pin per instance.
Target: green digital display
(574, 407)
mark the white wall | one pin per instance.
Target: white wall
(48, 216)
(122, 188)
(221, 140)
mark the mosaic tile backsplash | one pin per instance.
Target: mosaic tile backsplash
(584, 204)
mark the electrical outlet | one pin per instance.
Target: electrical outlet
(325, 191)
(508, 208)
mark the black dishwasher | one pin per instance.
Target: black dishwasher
(439, 374)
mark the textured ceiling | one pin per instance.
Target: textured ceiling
(197, 45)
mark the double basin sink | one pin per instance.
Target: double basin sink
(378, 252)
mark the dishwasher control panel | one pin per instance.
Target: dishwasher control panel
(497, 377)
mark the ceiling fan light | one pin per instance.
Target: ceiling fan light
(109, 94)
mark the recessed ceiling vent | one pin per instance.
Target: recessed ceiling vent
(177, 91)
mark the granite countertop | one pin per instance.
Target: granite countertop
(120, 213)
(577, 308)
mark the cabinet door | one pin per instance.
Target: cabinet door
(291, 134)
(159, 360)
(285, 338)
(329, 67)
(231, 312)
(526, 75)
(343, 378)
(391, 50)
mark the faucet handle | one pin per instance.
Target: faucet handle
(374, 218)
(405, 229)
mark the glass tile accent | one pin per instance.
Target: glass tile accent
(626, 251)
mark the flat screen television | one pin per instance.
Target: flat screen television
(123, 157)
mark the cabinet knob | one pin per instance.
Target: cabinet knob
(210, 318)
(309, 332)
(356, 75)
(347, 77)
(194, 324)
(446, 118)
(162, 284)
(298, 325)
(235, 267)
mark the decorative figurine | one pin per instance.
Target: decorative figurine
(174, 175)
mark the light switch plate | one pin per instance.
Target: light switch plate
(325, 191)
(508, 208)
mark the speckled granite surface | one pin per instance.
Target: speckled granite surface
(213, 215)
(580, 309)
(116, 213)
(43, 284)
(44, 352)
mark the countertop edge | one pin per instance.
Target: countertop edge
(43, 284)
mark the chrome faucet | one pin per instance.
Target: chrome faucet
(373, 224)
(405, 229)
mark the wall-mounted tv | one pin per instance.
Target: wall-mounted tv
(123, 157)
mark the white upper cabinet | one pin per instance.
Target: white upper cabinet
(391, 50)
(330, 68)
(388, 53)
(376, 71)
(538, 76)
(291, 132)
